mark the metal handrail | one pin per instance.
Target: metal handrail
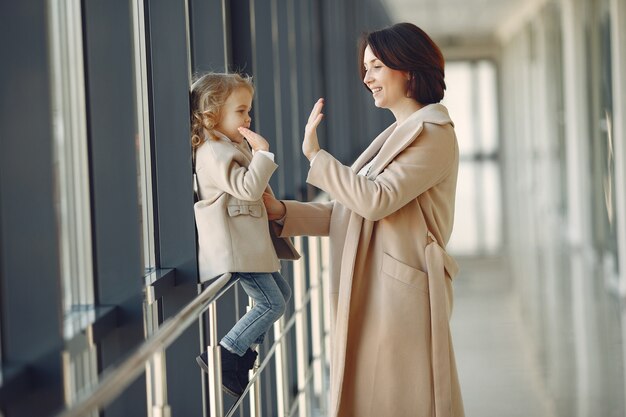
(116, 379)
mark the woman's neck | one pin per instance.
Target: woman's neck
(404, 109)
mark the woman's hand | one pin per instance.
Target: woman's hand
(275, 208)
(256, 141)
(310, 145)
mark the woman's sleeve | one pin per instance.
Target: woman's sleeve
(229, 176)
(306, 219)
(423, 164)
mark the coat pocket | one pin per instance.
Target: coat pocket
(405, 273)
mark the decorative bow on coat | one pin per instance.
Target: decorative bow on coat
(254, 210)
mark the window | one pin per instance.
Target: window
(142, 135)
(72, 189)
(472, 103)
(70, 154)
(603, 212)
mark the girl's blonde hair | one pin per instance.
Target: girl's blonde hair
(209, 92)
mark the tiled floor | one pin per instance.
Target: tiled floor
(498, 375)
(565, 359)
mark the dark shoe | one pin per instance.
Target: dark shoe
(230, 381)
(246, 362)
(203, 361)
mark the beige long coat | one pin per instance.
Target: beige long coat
(234, 234)
(391, 280)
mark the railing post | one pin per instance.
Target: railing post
(302, 357)
(317, 322)
(156, 366)
(255, 390)
(202, 332)
(282, 392)
(325, 280)
(216, 404)
(160, 408)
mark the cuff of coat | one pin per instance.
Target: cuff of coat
(263, 165)
(270, 155)
(313, 159)
(291, 210)
(319, 170)
(304, 219)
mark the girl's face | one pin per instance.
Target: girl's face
(388, 86)
(235, 114)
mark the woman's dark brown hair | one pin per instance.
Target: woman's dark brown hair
(405, 47)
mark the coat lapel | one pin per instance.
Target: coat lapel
(405, 134)
(373, 148)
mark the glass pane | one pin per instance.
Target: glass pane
(492, 205)
(458, 100)
(142, 136)
(464, 239)
(472, 101)
(70, 153)
(72, 187)
(486, 92)
(1, 377)
(601, 142)
(80, 375)
(606, 133)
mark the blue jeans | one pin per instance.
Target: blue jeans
(270, 293)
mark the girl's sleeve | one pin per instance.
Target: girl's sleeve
(423, 164)
(243, 183)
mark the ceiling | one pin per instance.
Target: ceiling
(473, 24)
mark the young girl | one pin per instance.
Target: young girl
(233, 229)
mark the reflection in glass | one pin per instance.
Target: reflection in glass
(574, 326)
(80, 375)
(72, 190)
(142, 135)
(70, 153)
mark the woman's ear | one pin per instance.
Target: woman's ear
(409, 83)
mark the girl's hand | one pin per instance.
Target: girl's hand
(275, 208)
(256, 141)
(310, 145)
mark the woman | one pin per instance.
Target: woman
(389, 219)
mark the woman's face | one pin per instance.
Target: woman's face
(388, 86)
(235, 114)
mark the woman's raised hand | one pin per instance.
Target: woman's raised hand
(256, 141)
(310, 144)
(275, 208)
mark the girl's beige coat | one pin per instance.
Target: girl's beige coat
(233, 230)
(391, 280)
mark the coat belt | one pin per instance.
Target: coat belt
(439, 263)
